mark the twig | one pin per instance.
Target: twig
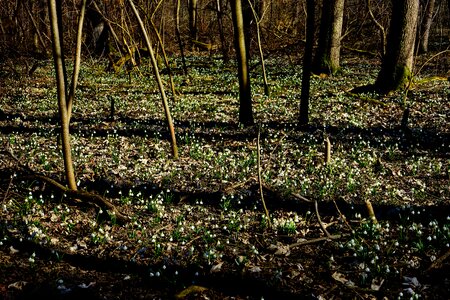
(378, 24)
(324, 238)
(8, 150)
(191, 241)
(232, 187)
(322, 225)
(9, 187)
(300, 197)
(342, 216)
(327, 151)
(279, 194)
(360, 51)
(431, 58)
(259, 178)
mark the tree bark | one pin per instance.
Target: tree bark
(426, 25)
(245, 97)
(178, 34)
(223, 42)
(327, 56)
(98, 35)
(247, 15)
(192, 7)
(76, 64)
(397, 64)
(307, 62)
(54, 7)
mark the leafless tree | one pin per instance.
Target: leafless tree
(245, 95)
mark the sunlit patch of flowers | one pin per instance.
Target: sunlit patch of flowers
(287, 224)
(377, 254)
(102, 234)
(36, 232)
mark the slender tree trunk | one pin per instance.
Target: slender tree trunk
(178, 34)
(158, 79)
(192, 8)
(396, 68)
(307, 62)
(76, 67)
(327, 56)
(261, 54)
(448, 7)
(260, 8)
(166, 60)
(98, 33)
(61, 90)
(119, 46)
(43, 20)
(247, 16)
(426, 25)
(380, 27)
(38, 40)
(245, 97)
(61, 43)
(221, 32)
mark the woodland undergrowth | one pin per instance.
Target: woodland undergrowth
(199, 220)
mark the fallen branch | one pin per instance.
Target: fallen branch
(343, 217)
(73, 194)
(9, 187)
(233, 187)
(322, 225)
(82, 195)
(300, 197)
(324, 238)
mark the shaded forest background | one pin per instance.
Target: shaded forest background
(111, 28)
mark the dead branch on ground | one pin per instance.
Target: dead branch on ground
(92, 198)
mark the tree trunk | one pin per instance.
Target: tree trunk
(178, 34)
(307, 62)
(192, 7)
(380, 27)
(77, 61)
(38, 39)
(56, 30)
(245, 97)
(247, 16)
(98, 35)
(221, 31)
(261, 53)
(327, 56)
(426, 25)
(170, 126)
(260, 7)
(398, 62)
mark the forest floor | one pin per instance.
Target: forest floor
(197, 228)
